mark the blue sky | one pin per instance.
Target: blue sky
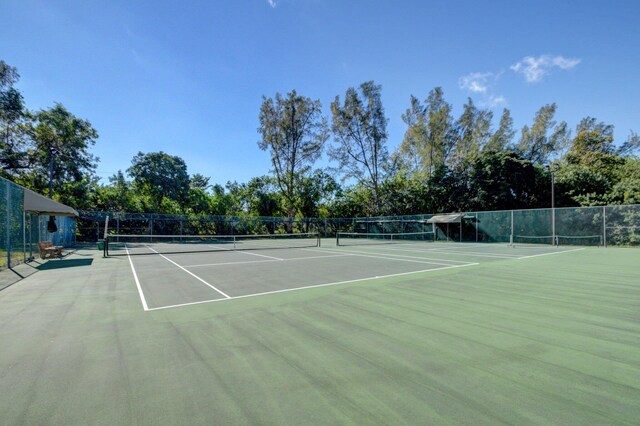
(187, 77)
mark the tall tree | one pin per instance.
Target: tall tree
(503, 137)
(12, 119)
(441, 130)
(413, 152)
(294, 132)
(631, 146)
(60, 153)
(545, 138)
(473, 132)
(430, 134)
(593, 145)
(160, 176)
(360, 129)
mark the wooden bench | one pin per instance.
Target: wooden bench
(48, 250)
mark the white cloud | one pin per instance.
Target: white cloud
(534, 69)
(272, 3)
(476, 82)
(494, 101)
(481, 83)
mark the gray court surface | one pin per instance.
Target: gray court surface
(427, 333)
(182, 279)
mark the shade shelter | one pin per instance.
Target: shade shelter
(43, 206)
(448, 219)
(38, 205)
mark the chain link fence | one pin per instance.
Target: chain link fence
(21, 231)
(590, 226)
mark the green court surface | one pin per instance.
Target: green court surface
(426, 333)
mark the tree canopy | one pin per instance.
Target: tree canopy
(443, 163)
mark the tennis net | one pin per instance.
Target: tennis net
(579, 240)
(122, 245)
(357, 238)
(532, 240)
(558, 240)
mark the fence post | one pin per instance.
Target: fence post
(8, 223)
(24, 236)
(512, 229)
(604, 226)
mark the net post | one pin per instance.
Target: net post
(319, 240)
(105, 239)
(338, 239)
(106, 227)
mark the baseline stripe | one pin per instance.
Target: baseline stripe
(400, 257)
(548, 254)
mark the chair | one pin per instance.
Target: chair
(48, 250)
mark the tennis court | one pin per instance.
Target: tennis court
(176, 271)
(364, 332)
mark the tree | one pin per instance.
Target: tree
(581, 186)
(631, 146)
(261, 197)
(503, 180)
(318, 190)
(12, 120)
(430, 134)
(593, 148)
(118, 196)
(161, 177)
(8, 75)
(473, 130)
(545, 138)
(503, 137)
(412, 152)
(60, 153)
(199, 181)
(627, 189)
(359, 127)
(294, 132)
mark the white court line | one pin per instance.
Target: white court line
(310, 286)
(257, 254)
(445, 251)
(191, 273)
(135, 277)
(266, 261)
(245, 252)
(547, 254)
(401, 257)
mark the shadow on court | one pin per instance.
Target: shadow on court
(65, 263)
